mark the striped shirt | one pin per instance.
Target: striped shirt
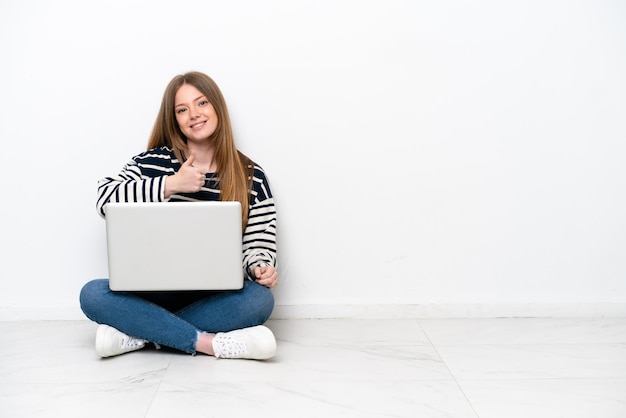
(142, 179)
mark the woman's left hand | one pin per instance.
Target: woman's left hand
(266, 276)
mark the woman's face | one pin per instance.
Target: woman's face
(196, 117)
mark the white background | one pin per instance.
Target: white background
(455, 157)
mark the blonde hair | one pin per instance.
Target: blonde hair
(234, 169)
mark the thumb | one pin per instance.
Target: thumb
(190, 160)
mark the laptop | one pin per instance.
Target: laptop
(171, 246)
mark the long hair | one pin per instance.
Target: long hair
(234, 169)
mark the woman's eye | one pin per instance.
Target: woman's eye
(203, 102)
(179, 111)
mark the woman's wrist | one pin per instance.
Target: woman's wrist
(170, 186)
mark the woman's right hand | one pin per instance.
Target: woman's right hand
(188, 179)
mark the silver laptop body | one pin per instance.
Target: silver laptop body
(171, 246)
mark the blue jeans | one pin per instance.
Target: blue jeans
(175, 319)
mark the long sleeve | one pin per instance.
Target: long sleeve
(142, 179)
(259, 239)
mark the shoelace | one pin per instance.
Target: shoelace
(230, 347)
(130, 342)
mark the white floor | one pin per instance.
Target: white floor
(486, 368)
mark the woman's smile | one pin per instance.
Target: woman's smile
(195, 115)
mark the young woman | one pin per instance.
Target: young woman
(192, 156)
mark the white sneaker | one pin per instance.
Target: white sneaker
(254, 343)
(111, 342)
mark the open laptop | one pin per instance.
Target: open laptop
(170, 246)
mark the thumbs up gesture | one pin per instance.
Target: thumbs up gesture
(188, 179)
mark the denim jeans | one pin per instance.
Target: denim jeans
(175, 319)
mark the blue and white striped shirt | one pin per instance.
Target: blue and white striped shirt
(142, 179)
